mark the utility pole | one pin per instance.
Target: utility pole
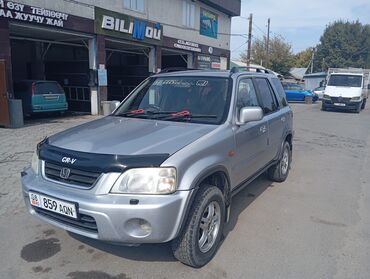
(249, 40)
(313, 58)
(268, 41)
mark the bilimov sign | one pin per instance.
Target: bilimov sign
(17, 11)
(120, 25)
(137, 28)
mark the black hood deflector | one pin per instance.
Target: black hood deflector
(96, 162)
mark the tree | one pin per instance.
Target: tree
(344, 44)
(279, 58)
(302, 59)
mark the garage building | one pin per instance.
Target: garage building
(100, 52)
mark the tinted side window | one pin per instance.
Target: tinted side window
(266, 97)
(280, 92)
(247, 96)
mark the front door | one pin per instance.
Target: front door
(250, 138)
(4, 104)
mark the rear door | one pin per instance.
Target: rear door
(289, 94)
(250, 138)
(48, 95)
(275, 120)
(293, 92)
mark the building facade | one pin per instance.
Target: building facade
(100, 50)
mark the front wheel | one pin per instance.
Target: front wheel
(363, 104)
(358, 109)
(198, 242)
(280, 171)
(323, 107)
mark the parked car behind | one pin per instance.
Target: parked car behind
(319, 91)
(295, 92)
(346, 90)
(40, 96)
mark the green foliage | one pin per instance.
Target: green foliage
(303, 58)
(344, 44)
(279, 58)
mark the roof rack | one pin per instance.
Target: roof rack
(176, 69)
(248, 69)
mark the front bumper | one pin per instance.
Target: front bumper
(341, 104)
(117, 218)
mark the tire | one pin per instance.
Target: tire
(358, 109)
(363, 104)
(187, 247)
(323, 107)
(280, 171)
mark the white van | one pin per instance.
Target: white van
(346, 90)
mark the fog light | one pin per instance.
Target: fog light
(138, 228)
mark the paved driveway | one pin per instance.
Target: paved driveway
(315, 225)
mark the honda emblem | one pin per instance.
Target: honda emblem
(65, 173)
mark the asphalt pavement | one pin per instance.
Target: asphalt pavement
(314, 225)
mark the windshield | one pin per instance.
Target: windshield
(345, 80)
(191, 99)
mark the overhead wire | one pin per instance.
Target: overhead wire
(164, 24)
(259, 29)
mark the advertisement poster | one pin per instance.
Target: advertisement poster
(208, 23)
(102, 77)
(206, 62)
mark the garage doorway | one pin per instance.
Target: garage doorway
(174, 59)
(127, 66)
(55, 55)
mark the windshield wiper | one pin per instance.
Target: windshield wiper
(164, 115)
(186, 115)
(145, 113)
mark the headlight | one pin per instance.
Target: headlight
(356, 99)
(146, 181)
(35, 163)
(326, 97)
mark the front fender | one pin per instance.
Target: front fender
(287, 134)
(199, 170)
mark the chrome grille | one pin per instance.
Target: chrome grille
(340, 100)
(84, 179)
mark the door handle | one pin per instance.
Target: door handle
(263, 129)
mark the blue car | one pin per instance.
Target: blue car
(295, 92)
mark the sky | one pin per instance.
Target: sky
(301, 23)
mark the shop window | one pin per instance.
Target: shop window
(188, 14)
(135, 5)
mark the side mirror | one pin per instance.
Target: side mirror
(114, 105)
(249, 114)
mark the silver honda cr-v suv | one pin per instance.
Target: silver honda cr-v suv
(166, 163)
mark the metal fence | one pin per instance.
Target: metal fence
(77, 93)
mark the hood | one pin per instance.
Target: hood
(341, 91)
(130, 136)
